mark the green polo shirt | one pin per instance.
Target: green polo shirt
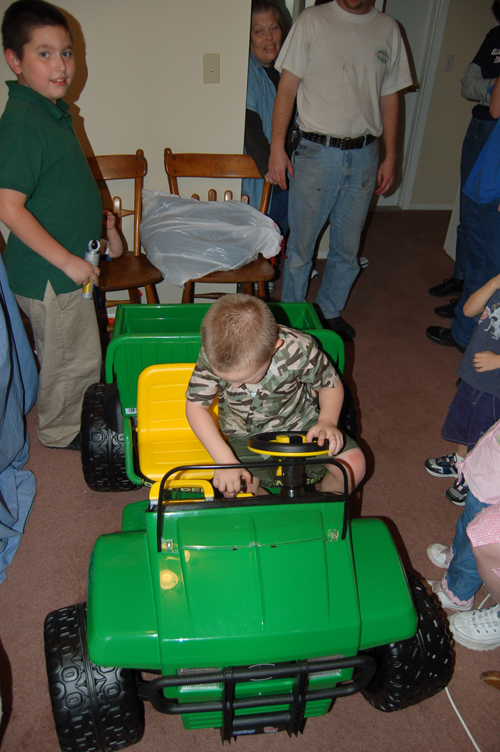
(41, 157)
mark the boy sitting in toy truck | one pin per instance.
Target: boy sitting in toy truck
(267, 378)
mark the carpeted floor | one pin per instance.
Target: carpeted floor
(403, 384)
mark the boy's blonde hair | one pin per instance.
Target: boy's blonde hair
(238, 331)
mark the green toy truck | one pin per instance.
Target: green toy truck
(250, 615)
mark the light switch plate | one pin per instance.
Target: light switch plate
(211, 68)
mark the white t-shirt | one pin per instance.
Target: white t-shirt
(346, 62)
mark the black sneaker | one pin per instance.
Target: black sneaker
(73, 446)
(345, 330)
(443, 336)
(457, 493)
(447, 311)
(447, 287)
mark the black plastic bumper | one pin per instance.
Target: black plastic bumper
(292, 720)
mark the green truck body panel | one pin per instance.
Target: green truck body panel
(121, 619)
(386, 606)
(240, 585)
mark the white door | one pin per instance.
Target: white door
(423, 24)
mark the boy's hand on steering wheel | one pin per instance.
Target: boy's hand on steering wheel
(326, 430)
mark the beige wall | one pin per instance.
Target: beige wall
(139, 81)
(140, 86)
(438, 172)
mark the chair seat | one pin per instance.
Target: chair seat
(259, 270)
(127, 271)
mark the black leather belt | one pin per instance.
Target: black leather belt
(339, 143)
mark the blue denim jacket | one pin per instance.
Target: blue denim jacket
(261, 94)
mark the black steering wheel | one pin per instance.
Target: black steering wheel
(286, 443)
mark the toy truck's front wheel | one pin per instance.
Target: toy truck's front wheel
(412, 670)
(94, 708)
(103, 450)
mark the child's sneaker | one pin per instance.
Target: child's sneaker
(457, 493)
(442, 467)
(440, 555)
(477, 630)
(446, 602)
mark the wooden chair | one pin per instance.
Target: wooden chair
(133, 269)
(257, 272)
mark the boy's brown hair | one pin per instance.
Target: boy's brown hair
(238, 331)
(23, 17)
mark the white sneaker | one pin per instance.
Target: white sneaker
(447, 602)
(440, 555)
(477, 630)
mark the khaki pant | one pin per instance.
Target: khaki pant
(69, 352)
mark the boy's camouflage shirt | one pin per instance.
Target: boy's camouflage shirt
(286, 397)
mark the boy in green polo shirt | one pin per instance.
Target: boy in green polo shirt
(52, 207)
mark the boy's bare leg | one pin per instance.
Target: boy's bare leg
(461, 450)
(354, 462)
(488, 559)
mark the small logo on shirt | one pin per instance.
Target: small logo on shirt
(382, 56)
(494, 320)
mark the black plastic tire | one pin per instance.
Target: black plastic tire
(95, 709)
(103, 450)
(413, 670)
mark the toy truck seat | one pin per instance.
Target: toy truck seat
(164, 436)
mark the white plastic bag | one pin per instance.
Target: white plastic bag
(186, 239)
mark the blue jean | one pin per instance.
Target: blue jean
(470, 415)
(335, 184)
(462, 576)
(482, 263)
(278, 210)
(476, 136)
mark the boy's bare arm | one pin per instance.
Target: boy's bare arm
(495, 100)
(115, 245)
(475, 304)
(26, 227)
(330, 405)
(206, 431)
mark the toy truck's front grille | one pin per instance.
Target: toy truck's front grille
(258, 712)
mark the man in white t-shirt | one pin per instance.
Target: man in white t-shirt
(345, 62)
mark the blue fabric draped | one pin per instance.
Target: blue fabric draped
(18, 390)
(483, 183)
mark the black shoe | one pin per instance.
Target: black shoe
(447, 311)
(447, 287)
(73, 446)
(343, 329)
(443, 336)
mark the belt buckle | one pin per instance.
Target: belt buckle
(342, 145)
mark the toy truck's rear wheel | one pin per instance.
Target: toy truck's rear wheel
(95, 709)
(103, 450)
(413, 670)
